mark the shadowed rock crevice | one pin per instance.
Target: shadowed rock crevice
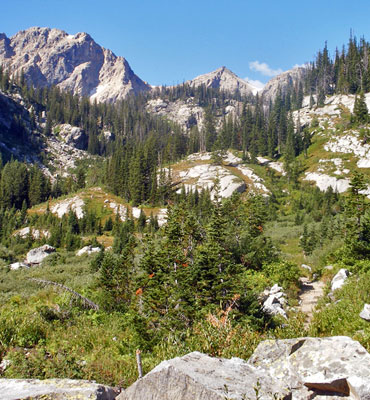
(297, 346)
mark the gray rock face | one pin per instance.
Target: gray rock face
(73, 62)
(223, 79)
(54, 389)
(73, 136)
(5, 47)
(188, 113)
(35, 256)
(282, 82)
(198, 376)
(365, 313)
(197, 174)
(334, 366)
(339, 279)
(8, 108)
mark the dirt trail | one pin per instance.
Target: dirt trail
(310, 294)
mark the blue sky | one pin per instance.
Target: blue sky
(169, 41)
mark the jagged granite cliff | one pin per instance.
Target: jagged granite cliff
(74, 63)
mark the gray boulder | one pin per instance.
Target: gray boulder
(274, 301)
(35, 256)
(54, 389)
(274, 305)
(18, 265)
(198, 376)
(337, 366)
(73, 136)
(4, 364)
(339, 279)
(365, 313)
(307, 267)
(88, 250)
(276, 289)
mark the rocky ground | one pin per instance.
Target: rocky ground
(199, 172)
(108, 204)
(311, 292)
(340, 149)
(188, 113)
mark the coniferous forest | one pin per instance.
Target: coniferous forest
(197, 281)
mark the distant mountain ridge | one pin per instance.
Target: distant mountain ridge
(282, 82)
(74, 63)
(224, 79)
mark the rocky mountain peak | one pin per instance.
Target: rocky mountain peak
(74, 63)
(5, 47)
(223, 79)
(282, 82)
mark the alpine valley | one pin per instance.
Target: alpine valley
(182, 230)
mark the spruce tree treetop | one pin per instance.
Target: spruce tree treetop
(360, 110)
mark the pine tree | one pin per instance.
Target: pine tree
(356, 206)
(360, 111)
(209, 130)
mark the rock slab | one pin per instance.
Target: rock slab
(18, 265)
(301, 369)
(35, 256)
(198, 376)
(339, 279)
(334, 365)
(54, 389)
(365, 313)
(88, 250)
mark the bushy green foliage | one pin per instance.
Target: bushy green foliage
(341, 315)
(285, 273)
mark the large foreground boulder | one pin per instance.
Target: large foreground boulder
(300, 369)
(54, 389)
(336, 366)
(35, 256)
(198, 376)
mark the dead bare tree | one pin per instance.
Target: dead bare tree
(85, 301)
